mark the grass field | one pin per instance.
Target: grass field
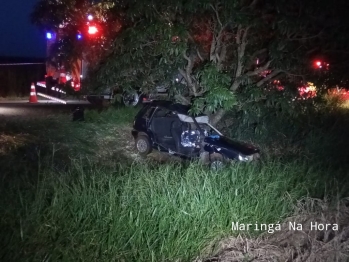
(75, 191)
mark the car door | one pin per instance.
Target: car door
(161, 125)
(143, 118)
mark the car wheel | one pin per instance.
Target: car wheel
(143, 145)
(216, 162)
(130, 98)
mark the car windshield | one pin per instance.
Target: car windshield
(189, 119)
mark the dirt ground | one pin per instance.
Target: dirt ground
(121, 144)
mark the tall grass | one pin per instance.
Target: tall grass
(58, 203)
(112, 115)
(59, 135)
(146, 212)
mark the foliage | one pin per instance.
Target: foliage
(66, 19)
(216, 91)
(250, 42)
(196, 35)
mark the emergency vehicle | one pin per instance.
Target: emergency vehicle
(57, 76)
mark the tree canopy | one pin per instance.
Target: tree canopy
(220, 48)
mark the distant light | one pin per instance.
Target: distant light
(92, 30)
(79, 36)
(90, 17)
(49, 35)
(318, 63)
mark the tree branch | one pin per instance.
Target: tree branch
(253, 4)
(199, 55)
(258, 52)
(268, 77)
(259, 70)
(236, 84)
(213, 48)
(241, 42)
(217, 116)
(217, 15)
(222, 56)
(188, 72)
(244, 36)
(217, 45)
(182, 99)
(304, 38)
(238, 35)
(252, 58)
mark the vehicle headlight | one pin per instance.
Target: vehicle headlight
(244, 158)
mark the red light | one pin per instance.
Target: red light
(92, 30)
(318, 64)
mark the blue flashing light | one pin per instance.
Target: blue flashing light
(79, 36)
(49, 35)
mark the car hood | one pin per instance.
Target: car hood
(229, 144)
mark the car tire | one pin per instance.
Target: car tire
(143, 145)
(216, 162)
(131, 98)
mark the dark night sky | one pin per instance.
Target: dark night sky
(18, 37)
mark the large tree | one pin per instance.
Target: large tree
(220, 48)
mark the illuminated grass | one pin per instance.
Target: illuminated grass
(146, 212)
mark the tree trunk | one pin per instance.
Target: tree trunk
(215, 118)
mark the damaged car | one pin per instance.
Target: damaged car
(168, 127)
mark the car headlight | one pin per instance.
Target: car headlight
(244, 158)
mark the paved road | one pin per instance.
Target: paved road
(42, 108)
(43, 101)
